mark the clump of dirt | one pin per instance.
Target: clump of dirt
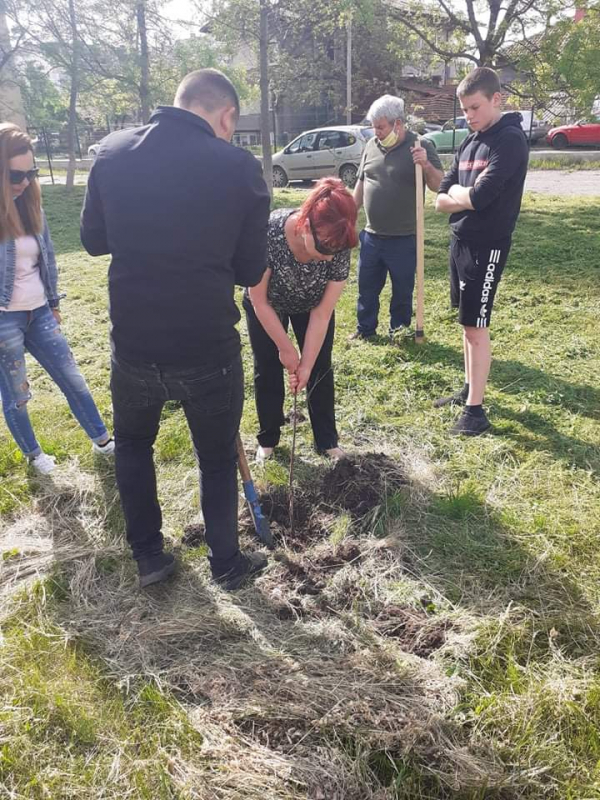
(414, 630)
(311, 521)
(359, 484)
(193, 536)
(297, 587)
(356, 484)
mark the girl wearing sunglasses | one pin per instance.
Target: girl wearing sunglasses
(308, 261)
(29, 306)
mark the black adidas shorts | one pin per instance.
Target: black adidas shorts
(475, 271)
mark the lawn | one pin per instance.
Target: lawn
(445, 646)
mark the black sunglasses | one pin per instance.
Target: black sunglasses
(17, 176)
(319, 246)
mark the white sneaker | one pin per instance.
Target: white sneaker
(42, 463)
(263, 453)
(335, 453)
(106, 449)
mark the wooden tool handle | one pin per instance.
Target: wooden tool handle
(419, 331)
(242, 460)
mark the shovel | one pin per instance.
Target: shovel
(261, 523)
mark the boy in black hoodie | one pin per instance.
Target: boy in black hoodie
(482, 193)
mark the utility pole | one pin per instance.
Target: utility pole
(349, 71)
(73, 95)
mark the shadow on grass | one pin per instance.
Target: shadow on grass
(510, 377)
(471, 554)
(309, 699)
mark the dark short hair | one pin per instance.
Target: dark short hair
(481, 79)
(208, 88)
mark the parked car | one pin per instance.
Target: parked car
(320, 152)
(455, 130)
(93, 149)
(583, 132)
(530, 124)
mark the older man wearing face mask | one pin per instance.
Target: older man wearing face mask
(386, 186)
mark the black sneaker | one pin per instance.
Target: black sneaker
(470, 425)
(357, 336)
(250, 564)
(154, 569)
(458, 399)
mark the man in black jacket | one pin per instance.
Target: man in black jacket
(184, 215)
(482, 193)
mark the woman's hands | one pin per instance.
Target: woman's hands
(299, 378)
(288, 355)
(57, 316)
(298, 373)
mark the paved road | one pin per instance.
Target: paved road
(559, 182)
(577, 183)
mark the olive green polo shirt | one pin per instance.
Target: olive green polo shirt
(389, 186)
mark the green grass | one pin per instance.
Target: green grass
(571, 164)
(499, 534)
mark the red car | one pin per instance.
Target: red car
(583, 132)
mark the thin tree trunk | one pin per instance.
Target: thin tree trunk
(349, 71)
(74, 90)
(265, 127)
(144, 61)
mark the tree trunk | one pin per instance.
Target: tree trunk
(144, 61)
(265, 127)
(74, 90)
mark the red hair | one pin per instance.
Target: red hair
(332, 210)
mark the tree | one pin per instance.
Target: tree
(564, 63)
(44, 102)
(478, 30)
(246, 23)
(51, 30)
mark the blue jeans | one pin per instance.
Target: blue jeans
(38, 333)
(212, 398)
(380, 255)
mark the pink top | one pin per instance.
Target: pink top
(28, 290)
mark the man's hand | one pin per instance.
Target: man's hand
(299, 379)
(56, 315)
(289, 358)
(419, 155)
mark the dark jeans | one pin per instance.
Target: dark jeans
(380, 255)
(212, 399)
(269, 390)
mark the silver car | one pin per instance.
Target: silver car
(321, 152)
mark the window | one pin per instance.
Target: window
(329, 140)
(303, 144)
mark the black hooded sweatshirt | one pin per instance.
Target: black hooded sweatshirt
(503, 153)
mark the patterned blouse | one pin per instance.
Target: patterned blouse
(295, 288)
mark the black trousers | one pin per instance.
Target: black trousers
(269, 389)
(212, 399)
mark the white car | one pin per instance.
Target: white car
(322, 152)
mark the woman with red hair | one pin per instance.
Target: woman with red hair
(308, 261)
